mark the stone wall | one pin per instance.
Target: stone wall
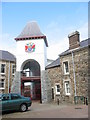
(8, 76)
(46, 91)
(80, 58)
(57, 75)
(89, 75)
(16, 84)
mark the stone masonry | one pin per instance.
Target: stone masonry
(81, 73)
(16, 84)
(78, 73)
(8, 76)
(46, 91)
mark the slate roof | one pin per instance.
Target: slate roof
(31, 30)
(83, 44)
(7, 56)
(54, 63)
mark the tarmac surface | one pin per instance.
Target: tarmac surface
(50, 110)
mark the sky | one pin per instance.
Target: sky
(55, 19)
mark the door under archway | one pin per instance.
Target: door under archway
(30, 79)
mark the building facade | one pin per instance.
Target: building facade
(7, 70)
(70, 77)
(30, 77)
(64, 80)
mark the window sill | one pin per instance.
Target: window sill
(68, 94)
(66, 73)
(2, 73)
(13, 74)
(57, 93)
(2, 88)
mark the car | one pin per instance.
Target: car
(13, 101)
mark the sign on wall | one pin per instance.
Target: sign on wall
(30, 47)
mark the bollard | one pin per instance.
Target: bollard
(86, 101)
(58, 101)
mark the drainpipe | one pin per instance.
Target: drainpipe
(74, 74)
(8, 76)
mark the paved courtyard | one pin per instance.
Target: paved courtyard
(38, 110)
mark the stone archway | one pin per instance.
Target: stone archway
(30, 79)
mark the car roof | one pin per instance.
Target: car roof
(9, 94)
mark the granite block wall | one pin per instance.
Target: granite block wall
(57, 75)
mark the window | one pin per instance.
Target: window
(13, 69)
(66, 69)
(14, 97)
(5, 97)
(57, 89)
(2, 84)
(52, 93)
(2, 68)
(67, 87)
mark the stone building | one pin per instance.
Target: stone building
(63, 80)
(69, 73)
(7, 70)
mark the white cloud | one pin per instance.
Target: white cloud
(59, 44)
(83, 31)
(55, 49)
(57, 39)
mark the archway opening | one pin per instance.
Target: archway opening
(31, 80)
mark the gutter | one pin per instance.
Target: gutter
(9, 77)
(74, 74)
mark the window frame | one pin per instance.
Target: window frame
(4, 68)
(56, 88)
(64, 67)
(2, 88)
(65, 83)
(13, 69)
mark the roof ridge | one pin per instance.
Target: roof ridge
(85, 40)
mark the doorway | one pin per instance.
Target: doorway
(31, 80)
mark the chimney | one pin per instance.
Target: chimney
(74, 41)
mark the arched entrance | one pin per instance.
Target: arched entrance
(30, 79)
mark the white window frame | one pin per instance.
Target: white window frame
(4, 69)
(64, 68)
(65, 83)
(2, 88)
(57, 93)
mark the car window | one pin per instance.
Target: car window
(15, 96)
(5, 97)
